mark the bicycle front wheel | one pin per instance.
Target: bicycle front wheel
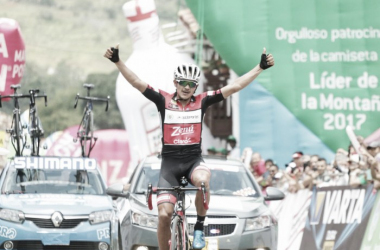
(179, 238)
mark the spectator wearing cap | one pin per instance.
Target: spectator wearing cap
(297, 160)
(233, 149)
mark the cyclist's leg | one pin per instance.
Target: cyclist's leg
(166, 201)
(165, 212)
(199, 174)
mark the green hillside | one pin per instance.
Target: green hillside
(65, 41)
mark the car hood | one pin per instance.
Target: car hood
(242, 207)
(67, 204)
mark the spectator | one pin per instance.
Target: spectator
(294, 178)
(276, 177)
(268, 164)
(234, 150)
(257, 167)
(298, 159)
(373, 149)
(356, 175)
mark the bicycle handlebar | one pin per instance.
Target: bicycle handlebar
(33, 96)
(177, 189)
(91, 99)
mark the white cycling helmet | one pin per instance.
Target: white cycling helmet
(189, 72)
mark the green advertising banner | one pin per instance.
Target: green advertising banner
(326, 53)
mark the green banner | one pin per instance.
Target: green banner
(326, 53)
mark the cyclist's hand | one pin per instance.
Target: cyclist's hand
(267, 60)
(113, 54)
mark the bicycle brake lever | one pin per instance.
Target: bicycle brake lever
(76, 101)
(108, 97)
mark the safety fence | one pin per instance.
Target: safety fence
(337, 217)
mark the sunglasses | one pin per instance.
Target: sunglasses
(185, 83)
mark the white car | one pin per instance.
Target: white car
(238, 217)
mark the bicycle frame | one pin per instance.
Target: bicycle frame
(85, 132)
(35, 128)
(180, 231)
(16, 127)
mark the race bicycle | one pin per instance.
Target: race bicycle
(18, 139)
(35, 127)
(179, 227)
(85, 132)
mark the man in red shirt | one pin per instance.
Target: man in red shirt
(181, 119)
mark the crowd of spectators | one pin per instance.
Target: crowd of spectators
(305, 171)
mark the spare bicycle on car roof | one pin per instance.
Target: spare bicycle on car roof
(35, 129)
(85, 132)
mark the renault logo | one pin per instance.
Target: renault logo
(57, 219)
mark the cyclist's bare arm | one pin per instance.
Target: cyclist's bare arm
(128, 74)
(247, 78)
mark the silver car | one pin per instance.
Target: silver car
(238, 217)
(55, 203)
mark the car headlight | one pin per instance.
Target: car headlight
(144, 220)
(12, 215)
(100, 216)
(257, 223)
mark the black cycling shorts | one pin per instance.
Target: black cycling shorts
(172, 170)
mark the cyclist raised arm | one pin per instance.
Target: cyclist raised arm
(113, 54)
(181, 116)
(243, 81)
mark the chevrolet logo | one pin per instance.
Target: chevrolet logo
(57, 219)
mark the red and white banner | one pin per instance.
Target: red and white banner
(12, 55)
(111, 151)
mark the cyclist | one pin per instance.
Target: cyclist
(181, 119)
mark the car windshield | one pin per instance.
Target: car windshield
(225, 180)
(52, 181)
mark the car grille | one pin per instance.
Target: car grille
(214, 216)
(220, 229)
(47, 223)
(37, 245)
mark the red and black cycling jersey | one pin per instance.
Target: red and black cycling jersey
(182, 126)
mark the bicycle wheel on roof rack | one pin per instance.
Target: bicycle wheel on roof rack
(16, 131)
(87, 134)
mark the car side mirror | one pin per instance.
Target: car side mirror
(273, 194)
(118, 190)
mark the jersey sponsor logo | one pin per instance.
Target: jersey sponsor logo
(183, 117)
(56, 163)
(212, 92)
(173, 106)
(183, 131)
(187, 140)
